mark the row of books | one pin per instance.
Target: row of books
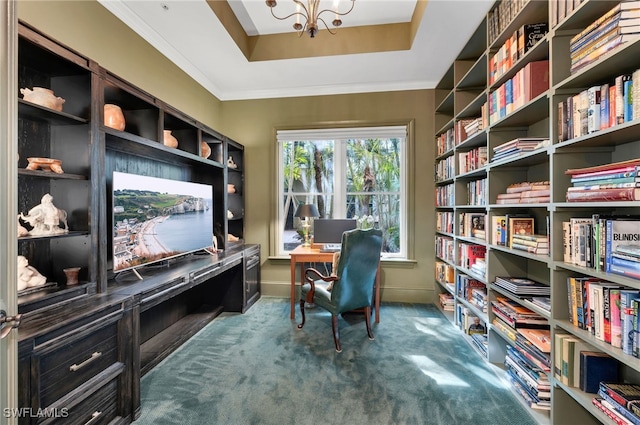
(444, 221)
(600, 107)
(477, 192)
(526, 193)
(445, 274)
(461, 131)
(516, 231)
(617, 26)
(609, 244)
(472, 224)
(617, 181)
(517, 147)
(445, 169)
(445, 249)
(577, 364)
(472, 160)
(514, 48)
(529, 82)
(470, 254)
(608, 311)
(560, 9)
(501, 16)
(445, 195)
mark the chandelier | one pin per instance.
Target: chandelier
(311, 16)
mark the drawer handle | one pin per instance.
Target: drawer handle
(95, 415)
(75, 367)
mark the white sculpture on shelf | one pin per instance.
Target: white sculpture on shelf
(46, 219)
(28, 276)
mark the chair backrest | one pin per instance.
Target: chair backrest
(357, 268)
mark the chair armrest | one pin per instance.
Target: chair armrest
(309, 271)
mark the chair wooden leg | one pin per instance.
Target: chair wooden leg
(336, 332)
(367, 320)
(302, 313)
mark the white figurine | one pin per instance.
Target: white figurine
(46, 218)
(230, 163)
(28, 276)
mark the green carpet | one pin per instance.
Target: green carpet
(258, 368)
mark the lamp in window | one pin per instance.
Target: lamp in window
(306, 211)
(309, 14)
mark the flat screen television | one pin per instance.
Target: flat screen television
(155, 219)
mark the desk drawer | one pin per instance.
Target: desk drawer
(76, 361)
(99, 408)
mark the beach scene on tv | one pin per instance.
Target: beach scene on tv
(156, 219)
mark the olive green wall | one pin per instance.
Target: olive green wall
(88, 28)
(254, 122)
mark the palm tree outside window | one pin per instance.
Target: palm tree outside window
(346, 173)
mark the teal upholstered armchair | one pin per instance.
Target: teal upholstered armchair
(352, 283)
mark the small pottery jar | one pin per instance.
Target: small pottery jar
(205, 149)
(72, 275)
(169, 139)
(113, 117)
(43, 97)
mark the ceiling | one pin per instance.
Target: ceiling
(237, 50)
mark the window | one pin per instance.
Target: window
(346, 173)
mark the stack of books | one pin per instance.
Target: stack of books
(473, 127)
(522, 286)
(535, 345)
(446, 301)
(620, 399)
(517, 316)
(542, 302)
(618, 181)
(517, 147)
(526, 193)
(616, 27)
(480, 342)
(530, 381)
(535, 244)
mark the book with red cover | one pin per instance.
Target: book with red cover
(619, 194)
(536, 79)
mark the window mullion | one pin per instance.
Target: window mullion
(340, 182)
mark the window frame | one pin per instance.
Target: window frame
(341, 135)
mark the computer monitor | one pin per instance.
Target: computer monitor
(327, 230)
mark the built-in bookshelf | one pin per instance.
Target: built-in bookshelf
(515, 142)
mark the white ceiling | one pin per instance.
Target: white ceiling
(191, 35)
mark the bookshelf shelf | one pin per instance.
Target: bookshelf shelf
(465, 92)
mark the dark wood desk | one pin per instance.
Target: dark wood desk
(312, 254)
